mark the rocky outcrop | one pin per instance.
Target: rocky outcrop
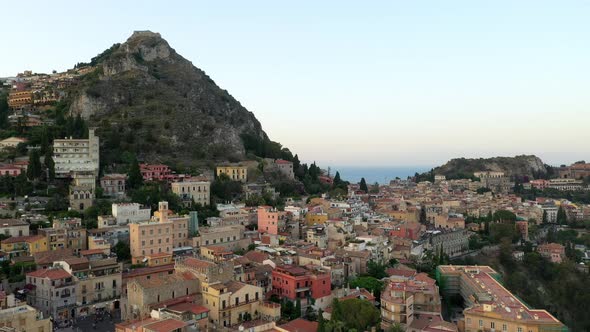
(518, 166)
(161, 105)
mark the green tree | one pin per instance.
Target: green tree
(374, 188)
(363, 185)
(396, 328)
(34, 169)
(297, 308)
(371, 284)
(359, 314)
(122, 251)
(561, 216)
(504, 216)
(321, 321)
(423, 219)
(135, 179)
(376, 270)
(49, 164)
(337, 314)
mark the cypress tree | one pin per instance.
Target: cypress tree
(363, 185)
(34, 168)
(135, 179)
(49, 164)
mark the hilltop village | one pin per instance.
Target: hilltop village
(262, 244)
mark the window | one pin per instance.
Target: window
(481, 324)
(504, 327)
(519, 329)
(492, 325)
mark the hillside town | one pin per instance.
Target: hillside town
(227, 250)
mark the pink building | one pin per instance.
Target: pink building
(539, 184)
(555, 252)
(155, 172)
(10, 170)
(268, 220)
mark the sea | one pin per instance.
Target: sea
(380, 174)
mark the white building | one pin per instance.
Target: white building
(76, 155)
(125, 213)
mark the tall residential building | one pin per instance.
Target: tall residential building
(193, 191)
(488, 305)
(158, 236)
(268, 220)
(54, 292)
(76, 155)
(98, 282)
(405, 299)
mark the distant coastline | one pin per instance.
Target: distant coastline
(372, 174)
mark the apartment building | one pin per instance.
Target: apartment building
(230, 237)
(296, 282)
(66, 234)
(452, 242)
(113, 185)
(488, 305)
(406, 298)
(236, 172)
(24, 245)
(161, 234)
(76, 155)
(230, 302)
(268, 220)
(157, 172)
(193, 191)
(53, 292)
(98, 282)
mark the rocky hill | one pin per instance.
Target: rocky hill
(530, 166)
(146, 98)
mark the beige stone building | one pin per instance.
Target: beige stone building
(161, 234)
(145, 294)
(82, 191)
(228, 303)
(230, 237)
(193, 191)
(23, 317)
(98, 282)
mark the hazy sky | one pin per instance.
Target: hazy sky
(360, 82)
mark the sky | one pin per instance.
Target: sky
(357, 83)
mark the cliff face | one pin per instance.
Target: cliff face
(148, 99)
(530, 166)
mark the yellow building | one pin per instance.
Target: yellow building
(24, 245)
(488, 305)
(229, 302)
(234, 172)
(313, 218)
